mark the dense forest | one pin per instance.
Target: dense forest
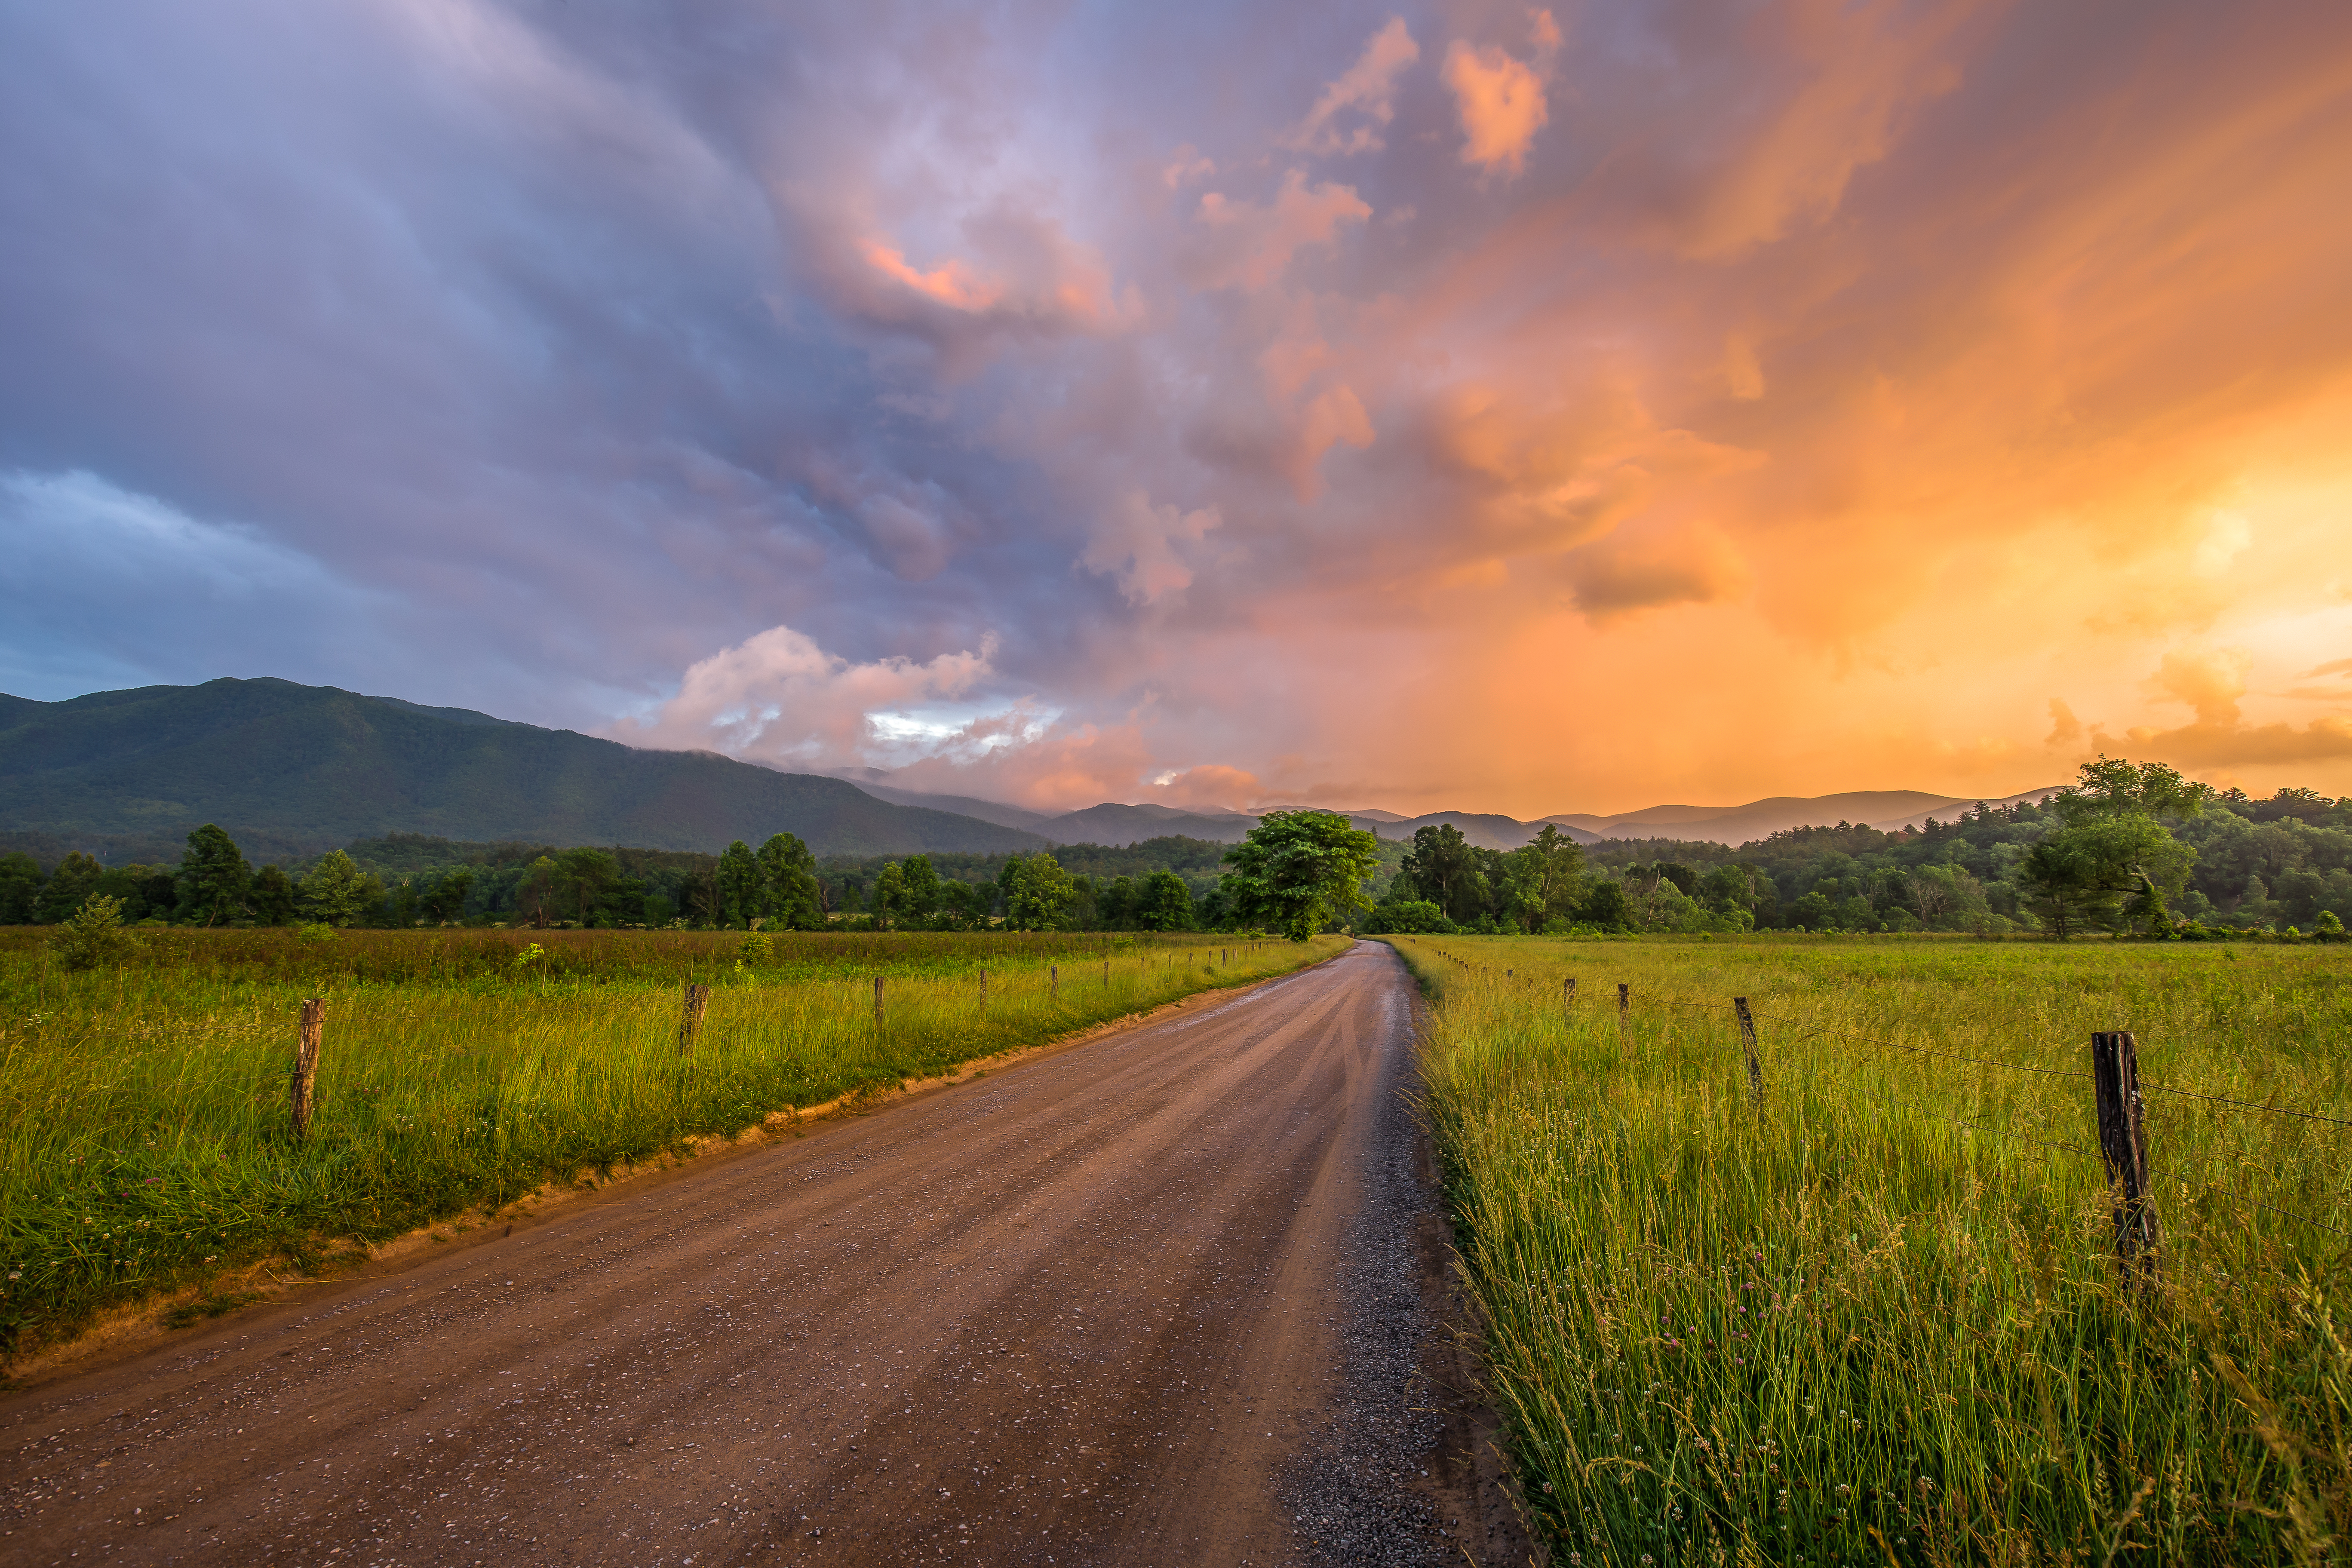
(2133, 848)
(2208, 863)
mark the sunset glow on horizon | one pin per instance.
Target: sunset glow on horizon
(1547, 409)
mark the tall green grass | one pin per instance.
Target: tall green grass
(143, 1126)
(1877, 1317)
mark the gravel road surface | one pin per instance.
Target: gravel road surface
(1173, 1295)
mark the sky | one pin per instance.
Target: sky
(1474, 406)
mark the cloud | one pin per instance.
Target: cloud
(2210, 680)
(1618, 577)
(1366, 93)
(779, 697)
(1137, 545)
(1252, 245)
(1796, 390)
(1501, 98)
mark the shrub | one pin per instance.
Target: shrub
(93, 936)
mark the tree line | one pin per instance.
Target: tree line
(2131, 847)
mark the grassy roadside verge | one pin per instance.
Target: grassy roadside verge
(143, 1132)
(1877, 1317)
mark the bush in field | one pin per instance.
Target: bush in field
(92, 937)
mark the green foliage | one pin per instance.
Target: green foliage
(1875, 1317)
(789, 884)
(20, 888)
(272, 899)
(1299, 871)
(1037, 892)
(320, 766)
(1164, 904)
(213, 880)
(92, 937)
(741, 895)
(338, 892)
(1406, 915)
(460, 1069)
(2110, 787)
(2080, 872)
(76, 875)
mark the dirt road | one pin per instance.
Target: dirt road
(1161, 1298)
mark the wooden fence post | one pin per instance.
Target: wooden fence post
(1567, 991)
(689, 1022)
(1106, 974)
(1624, 1009)
(983, 990)
(1748, 1044)
(306, 1064)
(1054, 976)
(878, 1001)
(2115, 1070)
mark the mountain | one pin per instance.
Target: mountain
(1111, 823)
(962, 805)
(1886, 810)
(318, 766)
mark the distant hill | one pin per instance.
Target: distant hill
(307, 768)
(1886, 810)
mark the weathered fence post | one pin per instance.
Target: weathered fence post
(1054, 976)
(1567, 991)
(689, 1022)
(878, 1001)
(1106, 974)
(1624, 1009)
(2115, 1070)
(1748, 1044)
(983, 990)
(306, 1064)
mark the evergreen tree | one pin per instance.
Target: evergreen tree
(788, 891)
(740, 895)
(213, 880)
(20, 888)
(273, 895)
(76, 875)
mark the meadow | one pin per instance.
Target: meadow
(1877, 1315)
(145, 1142)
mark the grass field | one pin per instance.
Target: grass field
(144, 1141)
(1877, 1317)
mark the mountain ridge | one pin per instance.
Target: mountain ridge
(319, 766)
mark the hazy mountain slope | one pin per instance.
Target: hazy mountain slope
(962, 806)
(1111, 823)
(321, 766)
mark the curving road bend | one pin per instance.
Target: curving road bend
(1170, 1296)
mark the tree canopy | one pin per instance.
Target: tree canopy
(1298, 871)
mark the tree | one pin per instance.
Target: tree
(918, 889)
(581, 876)
(338, 892)
(1037, 892)
(889, 900)
(788, 875)
(1300, 871)
(1415, 915)
(1606, 906)
(2077, 873)
(445, 900)
(67, 886)
(1163, 902)
(1442, 868)
(2112, 787)
(93, 936)
(214, 878)
(20, 888)
(740, 894)
(273, 895)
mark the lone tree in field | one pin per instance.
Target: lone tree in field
(2112, 847)
(1299, 870)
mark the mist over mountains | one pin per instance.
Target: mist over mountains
(295, 770)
